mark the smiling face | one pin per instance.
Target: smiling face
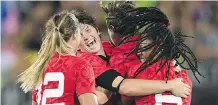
(91, 41)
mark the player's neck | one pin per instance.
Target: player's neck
(101, 52)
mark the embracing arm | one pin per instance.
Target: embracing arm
(87, 99)
(103, 95)
(139, 87)
(113, 81)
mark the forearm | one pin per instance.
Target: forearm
(112, 81)
(88, 99)
(139, 87)
(103, 95)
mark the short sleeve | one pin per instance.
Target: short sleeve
(85, 80)
(99, 65)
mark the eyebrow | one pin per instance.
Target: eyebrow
(86, 27)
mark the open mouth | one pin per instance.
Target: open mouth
(90, 43)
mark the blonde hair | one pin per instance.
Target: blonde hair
(58, 30)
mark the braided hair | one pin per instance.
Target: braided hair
(150, 23)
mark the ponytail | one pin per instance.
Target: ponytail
(53, 41)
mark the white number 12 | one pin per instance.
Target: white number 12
(53, 93)
(159, 98)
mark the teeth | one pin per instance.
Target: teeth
(91, 42)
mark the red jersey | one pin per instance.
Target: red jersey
(108, 47)
(63, 79)
(120, 60)
(165, 98)
(98, 64)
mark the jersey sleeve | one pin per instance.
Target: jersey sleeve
(99, 65)
(85, 80)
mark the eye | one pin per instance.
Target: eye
(88, 30)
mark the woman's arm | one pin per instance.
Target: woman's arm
(137, 87)
(103, 95)
(88, 99)
(113, 81)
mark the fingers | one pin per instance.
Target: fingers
(184, 96)
(189, 90)
(187, 93)
(181, 89)
(187, 86)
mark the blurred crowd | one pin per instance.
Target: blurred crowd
(22, 25)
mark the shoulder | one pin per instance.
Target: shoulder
(126, 47)
(77, 62)
(89, 57)
(106, 44)
(107, 47)
(80, 62)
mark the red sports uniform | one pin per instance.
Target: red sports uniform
(63, 79)
(127, 65)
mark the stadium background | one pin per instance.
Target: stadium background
(22, 25)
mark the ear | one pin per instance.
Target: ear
(111, 27)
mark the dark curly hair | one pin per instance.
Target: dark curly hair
(150, 23)
(84, 17)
